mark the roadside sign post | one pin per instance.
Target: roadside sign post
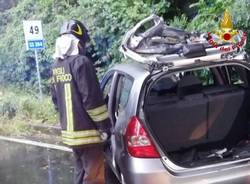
(38, 76)
(34, 41)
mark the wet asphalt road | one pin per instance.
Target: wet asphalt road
(26, 164)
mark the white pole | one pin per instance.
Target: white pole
(35, 143)
(38, 76)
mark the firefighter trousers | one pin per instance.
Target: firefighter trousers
(89, 165)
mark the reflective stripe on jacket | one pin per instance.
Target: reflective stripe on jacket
(77, 96)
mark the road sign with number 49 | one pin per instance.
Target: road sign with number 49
(33, 34)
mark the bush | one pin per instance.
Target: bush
(107, 20)
(211, 12)
(8, 109)
(28, 107)
(8, 106)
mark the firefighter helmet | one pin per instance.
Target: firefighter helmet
(76, 28)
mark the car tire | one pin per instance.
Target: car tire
(110, 177)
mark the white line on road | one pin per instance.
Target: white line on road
(35, 143)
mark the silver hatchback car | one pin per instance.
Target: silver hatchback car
(185, 124)
(180, 112)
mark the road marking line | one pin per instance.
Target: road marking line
(35, 143)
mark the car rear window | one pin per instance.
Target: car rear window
(209, 77)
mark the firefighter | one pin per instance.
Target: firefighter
(78, 98)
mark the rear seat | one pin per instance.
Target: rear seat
(196, 117)
(227, 115)
(176, 118)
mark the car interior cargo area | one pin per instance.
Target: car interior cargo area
(201, 116)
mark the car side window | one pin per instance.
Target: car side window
(205, 76)
(107, 88)
(238, 75)
(123, 91)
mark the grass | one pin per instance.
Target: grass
(19, 109)
(14, 127)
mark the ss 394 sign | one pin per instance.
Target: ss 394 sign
(33, 34)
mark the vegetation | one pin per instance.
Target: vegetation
(107, 21)
(19, 109)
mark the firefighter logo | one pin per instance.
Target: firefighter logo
(226, 34)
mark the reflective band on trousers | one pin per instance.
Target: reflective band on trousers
(81, 141)
(68, 104)
(99, 113)
(76, 138)
(80, 134)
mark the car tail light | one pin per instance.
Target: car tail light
(138, 142)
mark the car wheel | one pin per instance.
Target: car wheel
(110, 177)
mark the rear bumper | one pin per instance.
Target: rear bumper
(148, 171)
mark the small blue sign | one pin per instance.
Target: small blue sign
(36, 44)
